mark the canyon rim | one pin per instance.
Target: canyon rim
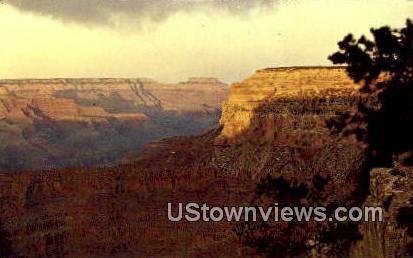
(113, 114)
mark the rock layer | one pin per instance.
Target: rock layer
(291, 84)
(89, 122)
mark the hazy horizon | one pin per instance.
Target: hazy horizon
(169, 82)
(171, 40)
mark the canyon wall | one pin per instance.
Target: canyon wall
(287, 86)
(272, 128)
(279, 117)
(89, 122)
(391, 189)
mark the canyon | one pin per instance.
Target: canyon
(58, 123)
(272, 133)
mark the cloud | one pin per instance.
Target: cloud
(102, 11)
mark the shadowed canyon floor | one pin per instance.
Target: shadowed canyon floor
(273, 125)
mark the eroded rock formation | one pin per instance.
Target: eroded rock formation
(272, 125)
(89, 122)
(287, 86)
(391, 189)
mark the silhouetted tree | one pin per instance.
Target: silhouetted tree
(384, 67)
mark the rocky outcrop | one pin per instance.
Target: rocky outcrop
(392, 190)
(286, 86)
(279, 116)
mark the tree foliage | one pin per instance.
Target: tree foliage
(384, 68)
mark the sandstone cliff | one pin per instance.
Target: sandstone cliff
(284, 85)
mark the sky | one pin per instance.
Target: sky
(171, 40)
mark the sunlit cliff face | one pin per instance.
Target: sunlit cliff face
(170, 40)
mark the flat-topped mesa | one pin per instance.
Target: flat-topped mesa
(284, 91)
(204, 80)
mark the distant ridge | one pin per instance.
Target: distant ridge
(284, 68)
